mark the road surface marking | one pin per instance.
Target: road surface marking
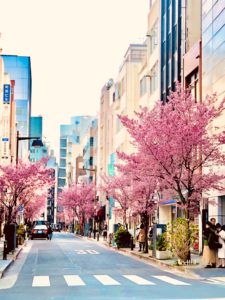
(92, 252)
(41, 281)
(80, 251)
(106, 280)
(86, 251)
(73, 280)
(138, 280)
(171, 280)
(217, 279)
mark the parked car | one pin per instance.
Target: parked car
(39, 231)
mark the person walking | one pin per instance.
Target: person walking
(105, 232)
(221, 251)
(209, 250)
(50, 231)
(141, 238)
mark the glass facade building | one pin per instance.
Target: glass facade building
(213, 47)
(70, 135)
(170, 45)
(36, 131)
(19, 69)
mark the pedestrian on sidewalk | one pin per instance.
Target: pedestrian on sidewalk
(105, 232)
(221, 251)
(141, 238)
(210, 238)
(50, 231)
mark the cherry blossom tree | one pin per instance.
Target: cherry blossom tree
(144, 188)
(79, 200)
(19, 183)
(183, 145)
(119, 187)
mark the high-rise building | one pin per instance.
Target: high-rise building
(19, 69)
(171, 45)
(213, 77)
(71, 135)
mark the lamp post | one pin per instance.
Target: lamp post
(36, 143)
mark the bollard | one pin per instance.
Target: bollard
(131, 243)
(97, 236)
(5, 250)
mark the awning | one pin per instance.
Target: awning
(167, 202)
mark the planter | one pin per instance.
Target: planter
(150, 252)
(163, 254)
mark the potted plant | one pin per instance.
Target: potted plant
(161, 247)
(122, 238)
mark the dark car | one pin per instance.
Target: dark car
(39, 231)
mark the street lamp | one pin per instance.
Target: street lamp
(36, 143)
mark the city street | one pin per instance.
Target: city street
(73, 268)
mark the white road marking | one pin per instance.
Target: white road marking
(80, 251)
(171, 280)
(92, 252)
(138, 280)
(86, 251)
(73, 280)
(40, 281)
(106, 280)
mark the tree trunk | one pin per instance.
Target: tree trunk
(146, 224)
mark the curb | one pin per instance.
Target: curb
(8, 264)
(11, 260)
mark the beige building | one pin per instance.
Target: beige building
(119, 97)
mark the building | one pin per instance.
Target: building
(51, 208)
(213, 76)
(37, 153)
(19, 69)
(171, 45)
(7, 117)
(118, 97)
(70, 139)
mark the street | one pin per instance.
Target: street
(73, 268)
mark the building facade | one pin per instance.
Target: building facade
(70, 140)
(213, 76)
(37, 153)
(19, 69)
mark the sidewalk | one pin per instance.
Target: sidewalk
(196, 271)
(11, 257)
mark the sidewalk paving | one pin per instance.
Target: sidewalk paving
(195, 271)
(11, 257)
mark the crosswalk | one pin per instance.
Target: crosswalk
(106, 280)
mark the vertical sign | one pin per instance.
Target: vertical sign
(6, 94)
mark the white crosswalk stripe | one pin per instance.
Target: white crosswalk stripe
(73, 280)
(170, 280)
(138, 280)
(40, 281)
(76, 280)
(106, 280)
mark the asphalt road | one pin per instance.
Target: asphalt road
(69, 268)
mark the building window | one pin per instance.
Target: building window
(169, 73)
(164, 79)
(91, 161)
(193, 82)
(143, 86)
(153, 37)
(154, 78)
(91, 141)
